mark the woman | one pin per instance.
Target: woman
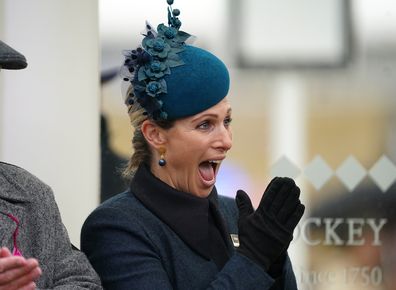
(171, 230)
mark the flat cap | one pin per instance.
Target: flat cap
(10, 58)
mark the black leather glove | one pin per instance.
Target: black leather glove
(265, 234)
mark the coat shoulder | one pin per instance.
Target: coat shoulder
(119, 210)
(18, 183)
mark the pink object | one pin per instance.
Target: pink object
(15, 251)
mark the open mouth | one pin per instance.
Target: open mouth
(208, 170)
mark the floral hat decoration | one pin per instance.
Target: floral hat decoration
(171, 79)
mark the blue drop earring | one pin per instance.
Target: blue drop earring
(162, 161)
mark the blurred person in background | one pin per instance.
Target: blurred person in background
(171, 230)
(35, 252)
(111, 180)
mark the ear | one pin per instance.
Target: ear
(154, 135)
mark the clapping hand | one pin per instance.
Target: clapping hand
(16, 272)
(265, 234)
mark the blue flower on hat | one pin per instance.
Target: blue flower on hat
(154, 88)
(168, 32)
(175, 38)
(157, 47)
(156, 69)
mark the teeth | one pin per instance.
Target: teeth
(214, 161)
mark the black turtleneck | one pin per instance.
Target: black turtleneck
(197, 221)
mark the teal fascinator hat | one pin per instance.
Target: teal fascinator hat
(170, 79)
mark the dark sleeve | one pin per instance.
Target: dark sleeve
(71, 269)
(288, 277)
(283, 274)
(125, 257)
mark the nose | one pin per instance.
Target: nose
(224, 139)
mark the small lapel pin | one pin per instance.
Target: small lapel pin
(235, 240)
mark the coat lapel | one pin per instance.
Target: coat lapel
(13, 201)
(8, 225)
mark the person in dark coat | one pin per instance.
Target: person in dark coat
(111, 180)
(35, 250)
(171, 230)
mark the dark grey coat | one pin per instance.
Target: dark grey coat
(132, 248)
(41, 232)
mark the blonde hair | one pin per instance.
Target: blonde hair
(141, 149)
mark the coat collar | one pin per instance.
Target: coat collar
(184, 213)
(13, 200)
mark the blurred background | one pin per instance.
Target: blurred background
(312, 90)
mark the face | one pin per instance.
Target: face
(195, 147)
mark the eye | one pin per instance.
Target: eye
(204, 125)
(227, 121)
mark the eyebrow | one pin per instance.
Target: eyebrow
(211, 115)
